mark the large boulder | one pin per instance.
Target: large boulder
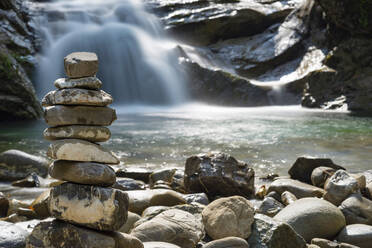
(356, 234)
(357, 210)
(12, 236)
(313, 218)
(218, 174)
(304, 166)
(15, 165)
(270, 233)
(229, 216)
(95, 207)
(339, 186)
(299, 189)
(174, 226)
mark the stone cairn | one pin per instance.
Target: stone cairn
(87, 210)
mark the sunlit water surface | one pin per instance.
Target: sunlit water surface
(269, 138)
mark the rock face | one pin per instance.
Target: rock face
(174, 226)
(92, 83)
(80, 150)
(313, 218)
(12, 236)
(230, 216)
(357, 234)
(81, 64)
(218, 174)
(95, 207)
(79, 115)
(90, 133)
(304, 166)
(15, 165)
(357, 210)
(299, 189)
(271, 233)
(77, 97)
(339, 186)
(83, 173)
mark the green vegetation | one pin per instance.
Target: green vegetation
(365, 10)
(7, 71)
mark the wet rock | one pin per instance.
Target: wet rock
(218, 174)
(197, 197)
(270, 233)
(231, 242)
(79, 115)
(159, 245)
(230, 216)
(80, 150)
(313, 218)
(320, 175)
(299, 189)
(270, 207)
(128, 184)
(288, 198)
(129, 224)
(304, 166)
(90, 206)
(356, 234)
(40, 205)
(92, 83)
(174, 226)
(167, 198)
(83, 172)
(81, 64)
(12, 236)
(33, 180)
(76, 96)
(15, 165)
(59, 234)
(4, 205)
(339, 186)
(89, 133)
(135, 173)
(357, 210)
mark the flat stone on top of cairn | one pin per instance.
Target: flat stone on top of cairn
(81, 64)
(77, 114)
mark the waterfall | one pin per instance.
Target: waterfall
(136, 62)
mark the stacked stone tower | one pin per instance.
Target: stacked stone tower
(77, 116)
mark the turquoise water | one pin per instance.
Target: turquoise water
(269, 138)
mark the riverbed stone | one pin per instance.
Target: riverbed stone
(229, 242)
(125, 184)
(129, 224)
(320, 175)
(125, 240)
(324, 243)
(60, 115)
(357, 210)
(288, 198)
(167, 198)
(270, 233)
(313, 218)
(32, 180)
(201, 198)
(80, 150)
(270, 207)
(83, 172)
(139, 200)
(228, 216)
(304, 166)
(40, 205)
(339, 186)
(299, 189)
(369, 190)
(4, 205)
(356, 234)
(15, 165)
(218, 174)
(77, 96)
(156, 244)
(89, 133)
(60, 234)
(94, 207)
(174, 226)
(142, 174)
(81, 64)
(92, 83)
(12, 236)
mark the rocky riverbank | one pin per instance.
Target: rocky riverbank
(214, 201)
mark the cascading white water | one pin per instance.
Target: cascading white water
(136, 62)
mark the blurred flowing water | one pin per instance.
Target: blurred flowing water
(269, 138)
(136, 62)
